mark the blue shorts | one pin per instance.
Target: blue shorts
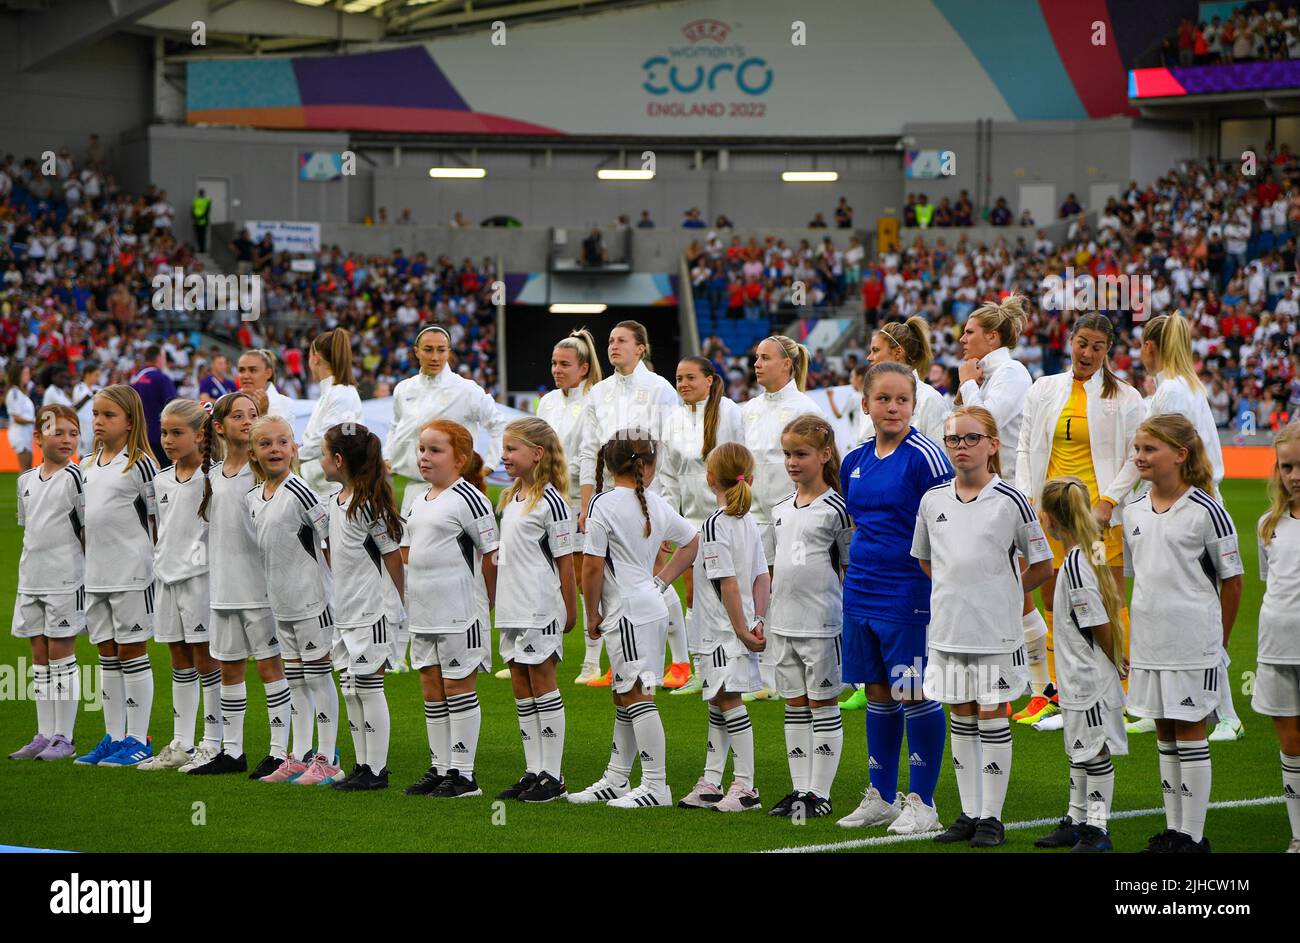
(880, 652)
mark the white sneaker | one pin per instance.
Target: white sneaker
(589, 673)
(1294, 847)
(400, 666)
(1054, 722)
(1141, 725)
(602, 790)
(873, 810)
(917, 817)
(172, 757)
(644, 796)
(202, 754)
(503, 674)
(1230, 729)
(740, 799)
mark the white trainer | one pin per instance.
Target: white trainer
(740, 799)
(588, 674)
(644, 796)
(916, 817)
(1054, 722)
(1141, 725)
(202, 754)
(1294, 847)
(873, 810)
(602, 790)
(1230, 729)
(172, 757)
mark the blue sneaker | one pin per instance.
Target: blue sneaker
(103, 749)
(129, 753)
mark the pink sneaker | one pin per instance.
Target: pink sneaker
(285, 771)
(319, 772)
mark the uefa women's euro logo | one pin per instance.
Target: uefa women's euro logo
(708, 65)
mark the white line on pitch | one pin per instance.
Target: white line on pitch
(1010, 826)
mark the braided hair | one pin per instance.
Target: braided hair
(628, 453)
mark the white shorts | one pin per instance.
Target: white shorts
(240, 633)
(363, 649)
(734, 674)
(309, 639)
(53, 615)
(805, 666)
(1188, 694)
(456, 655)
(1277, 690)
(125, 617)
(636, 653)
(1087, 732)
(184, 614)
(987, 679)
(531, 646)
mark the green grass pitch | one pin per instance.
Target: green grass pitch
(62, 806)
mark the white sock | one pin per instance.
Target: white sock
(277, 713)
(530, 734)
(1291, 791)
(137, 682)
(1170, 777)
(1194, 786)
(967, 762)
(356, 716)
(676, 628)
(995, 749)
(1101, 790)
(210, 683)
(44, 702)
(113, 690)
(591, 658)
(234, 703)
(65, 681)
(437, 727)
(302, 718)
(1036, 655)
(717, 747)
(325, 703)
(550, 720)
(741, 734)
(1227, 710)
(828, 742)
(798, 746)
(1078, 811)
(466, 718)
(185, 705)
(648, 728)
(375, 718)
(622, 750)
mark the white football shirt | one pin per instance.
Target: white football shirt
(812, 544)
(534, 545)
(1176, 559)
(51, 512)
(289, 527)
(1084, 672)
(182, 549)
(236, 580)
(616, 532)
(976, 596)
(729, 546)
(448, 537)
(357, 550)
(1279, 615)
(119, 503)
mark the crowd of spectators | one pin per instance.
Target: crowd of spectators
(1255, 32)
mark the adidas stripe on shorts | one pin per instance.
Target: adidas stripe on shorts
(1087, 732)
(1189, 694)
(531, 646)
(636, 653)
(184, 614)
(733, 672)
(238, 634)
(805, 666)
(456, 654)
(53, 615)
(1277, 690)
(125, 617)
(309, 639)
(988, 679)
(362, 650)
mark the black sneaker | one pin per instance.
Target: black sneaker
(962, 830)
(221, 763)
(1066, 835)
(526, 782)
(377, 780)
(427, 783)
(811, 805)
(1160, 844)
(357, 779)
(784, 806)
(546, 789)
(1183, 845)
(989, 833)
(456, 786)
(268, 766)
(1092, 840)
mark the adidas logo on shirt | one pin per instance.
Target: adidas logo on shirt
(64, 624)
(857, 473)
(199, 628)
(164, 500)
(1137, 532)
(824, 750)
(311, 646)
(361, 660)
(1002, 685)
(528, 649)
(915, 760)
(547, 732)
(796, 754)
(826, 683)
(136, 628)
(993, 769)
(1187, 702)
(777, 522)
(1078, 744)
(941, 519)
(618, 677)
(459, 747)
(273, 641)
(453, 663)
(27, 493)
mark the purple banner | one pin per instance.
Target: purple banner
(1238, 77)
